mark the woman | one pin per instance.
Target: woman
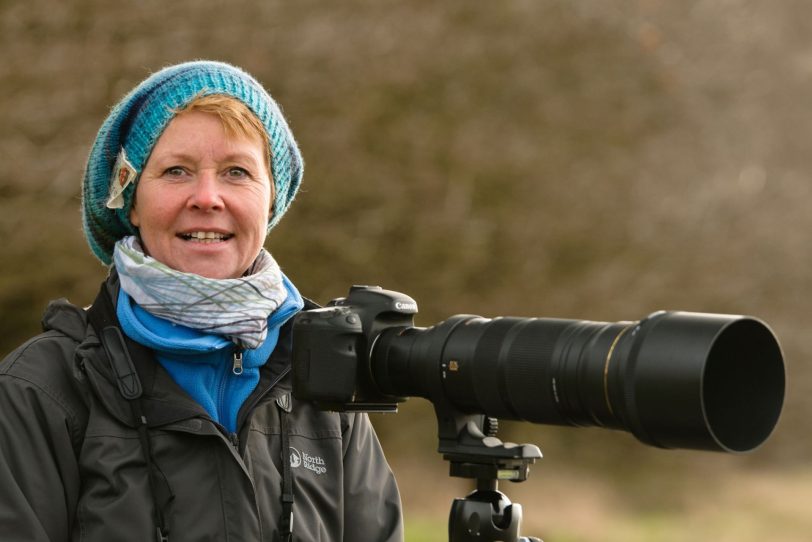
(164, 412)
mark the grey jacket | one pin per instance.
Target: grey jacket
(73, 466)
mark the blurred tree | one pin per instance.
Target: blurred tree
(593, 160)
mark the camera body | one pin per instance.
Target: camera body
(333, 348)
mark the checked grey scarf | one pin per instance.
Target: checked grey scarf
(236, 308)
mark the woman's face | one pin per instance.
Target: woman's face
(203, 201)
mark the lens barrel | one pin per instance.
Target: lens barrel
(673, 379)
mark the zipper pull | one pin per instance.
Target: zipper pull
(236, 368)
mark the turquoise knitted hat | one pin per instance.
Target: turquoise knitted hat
(125, 140)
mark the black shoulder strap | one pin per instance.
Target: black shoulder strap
(117, 346)
(286, 519)
(102, 317)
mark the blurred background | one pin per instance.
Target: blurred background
(589, 160)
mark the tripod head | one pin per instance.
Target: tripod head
(486, 514)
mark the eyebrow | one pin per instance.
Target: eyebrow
(237, 156)
(231, 157)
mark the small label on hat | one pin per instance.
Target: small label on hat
(123, 174)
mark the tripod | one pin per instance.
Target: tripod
(486, 514)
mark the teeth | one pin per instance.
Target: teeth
(206, 236)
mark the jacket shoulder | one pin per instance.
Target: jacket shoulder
(45, 364)
(65, 317)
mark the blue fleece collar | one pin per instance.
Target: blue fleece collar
(202, 364)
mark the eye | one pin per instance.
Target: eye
(237, 173)
(174, 171)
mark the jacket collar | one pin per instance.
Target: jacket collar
(163, 402)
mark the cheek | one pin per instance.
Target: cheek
(135, 217)
(155, 206)
(144, 218)
(263, 208)
(261, 217)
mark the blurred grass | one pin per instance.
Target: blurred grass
(749, 507)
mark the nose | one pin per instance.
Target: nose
(206, 194)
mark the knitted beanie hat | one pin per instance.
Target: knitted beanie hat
(126, 138)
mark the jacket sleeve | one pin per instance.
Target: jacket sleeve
(372, 509)
(39, 475)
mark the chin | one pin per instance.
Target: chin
(210, 271)
(214, 274)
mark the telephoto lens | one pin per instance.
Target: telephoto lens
(674, 379)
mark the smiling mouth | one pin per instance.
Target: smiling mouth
(205, 236)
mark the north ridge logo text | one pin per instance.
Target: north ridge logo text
(304, 459)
